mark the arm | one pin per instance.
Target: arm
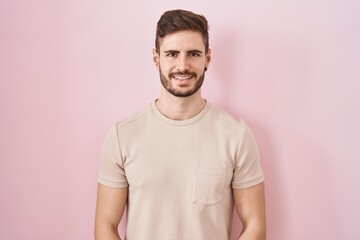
(110, 206)
(250, 206)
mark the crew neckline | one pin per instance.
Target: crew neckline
(173, 122)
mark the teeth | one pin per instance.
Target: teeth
(182, 77)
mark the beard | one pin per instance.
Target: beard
(166, 82)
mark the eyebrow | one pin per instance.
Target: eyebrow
(190, 51)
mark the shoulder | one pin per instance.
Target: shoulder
(226, 118)
(135, 118)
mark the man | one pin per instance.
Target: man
(180, 164)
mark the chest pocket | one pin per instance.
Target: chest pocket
(209, 185)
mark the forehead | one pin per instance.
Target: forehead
(182, 40)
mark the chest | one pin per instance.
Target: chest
(171, 158)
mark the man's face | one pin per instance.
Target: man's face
(181, 62)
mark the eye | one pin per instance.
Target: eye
(194, 54)
(171, 54)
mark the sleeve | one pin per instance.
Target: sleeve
(247, 170)
(112, 173)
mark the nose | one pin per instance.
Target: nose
(183, 63)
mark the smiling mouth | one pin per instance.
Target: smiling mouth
(182, 77)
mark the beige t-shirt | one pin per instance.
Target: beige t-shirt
(180, 174)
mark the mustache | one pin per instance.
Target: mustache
(171, 75)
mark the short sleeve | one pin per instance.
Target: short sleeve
(112, 173)
(247, 170)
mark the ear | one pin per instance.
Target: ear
(156, 59)
(208, 58)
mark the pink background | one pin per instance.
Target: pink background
(70, 69)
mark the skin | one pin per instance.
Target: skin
(181, 62)
(250, 207)
(110, 207)
(182, 51)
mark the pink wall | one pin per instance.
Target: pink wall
(70, 69)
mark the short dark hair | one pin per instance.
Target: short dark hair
(178, 20)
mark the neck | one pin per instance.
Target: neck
(180, 108)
